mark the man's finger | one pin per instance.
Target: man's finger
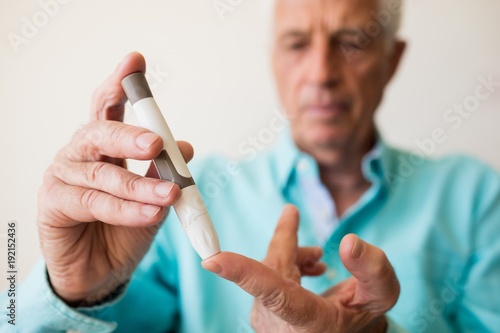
(118, 182)
(186, 149)
(117, 140)
(187, 152)
(282, 251)
(282, 296)
(109, 99)
(308, 261)
(113, 139)
(377, 285)
(89, 205)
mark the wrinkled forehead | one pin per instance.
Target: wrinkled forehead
(327, 16)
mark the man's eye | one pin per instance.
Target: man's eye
(297, 46)
(350, 45)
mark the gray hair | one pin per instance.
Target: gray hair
(392, 9)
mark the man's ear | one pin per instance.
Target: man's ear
(395, 57)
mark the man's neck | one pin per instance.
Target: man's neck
(343, 175)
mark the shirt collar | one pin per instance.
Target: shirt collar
(290, 160)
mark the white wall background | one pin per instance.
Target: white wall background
(217, 74)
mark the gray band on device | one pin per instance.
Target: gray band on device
(166, 171)
(136, 87)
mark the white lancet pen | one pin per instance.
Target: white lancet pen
(171, 166)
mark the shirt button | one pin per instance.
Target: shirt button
(302, 165)
(331, 274)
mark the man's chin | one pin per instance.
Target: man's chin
(328, 137)
(321, 140)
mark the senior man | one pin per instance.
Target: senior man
(110, 264)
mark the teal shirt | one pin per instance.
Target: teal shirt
(438, 221)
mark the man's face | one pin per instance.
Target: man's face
(330, 75)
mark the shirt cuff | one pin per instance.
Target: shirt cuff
(40, 308)
(92, 309)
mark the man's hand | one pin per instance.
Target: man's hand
(357, 304)
(96, 220)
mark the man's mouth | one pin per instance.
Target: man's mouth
(328, 110)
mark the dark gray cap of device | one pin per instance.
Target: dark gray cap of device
(136, 87)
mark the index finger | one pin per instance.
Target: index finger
(108, 101)
(282, 251)
(279, 294)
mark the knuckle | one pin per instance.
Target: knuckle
(116, 131)
(42, 194)
(62, 153)
(97, 128)
(122, 207)
(111, 99)
(89, 199)
(130, 184)
(46, 187)
(275, 301)
(104, 98)
(95, 173)
(282, 306)
(43, 190)
(48, 175)
(87, 139)
(243, 280)
(318, 252)
(97, 132)
(49, 201)
(82, 132)
(58, 170)
(309, 264)
(96, 96)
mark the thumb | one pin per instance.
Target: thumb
(108, 101)
(377, 287)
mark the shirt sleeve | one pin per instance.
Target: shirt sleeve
(147, 304)
(478, 309)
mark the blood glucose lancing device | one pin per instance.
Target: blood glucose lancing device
(171, 166)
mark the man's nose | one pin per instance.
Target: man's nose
(323, 67)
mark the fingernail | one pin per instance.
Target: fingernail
(145, 140)
(211, 266)
(150, 211)
(357, 248)
(163, 189)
